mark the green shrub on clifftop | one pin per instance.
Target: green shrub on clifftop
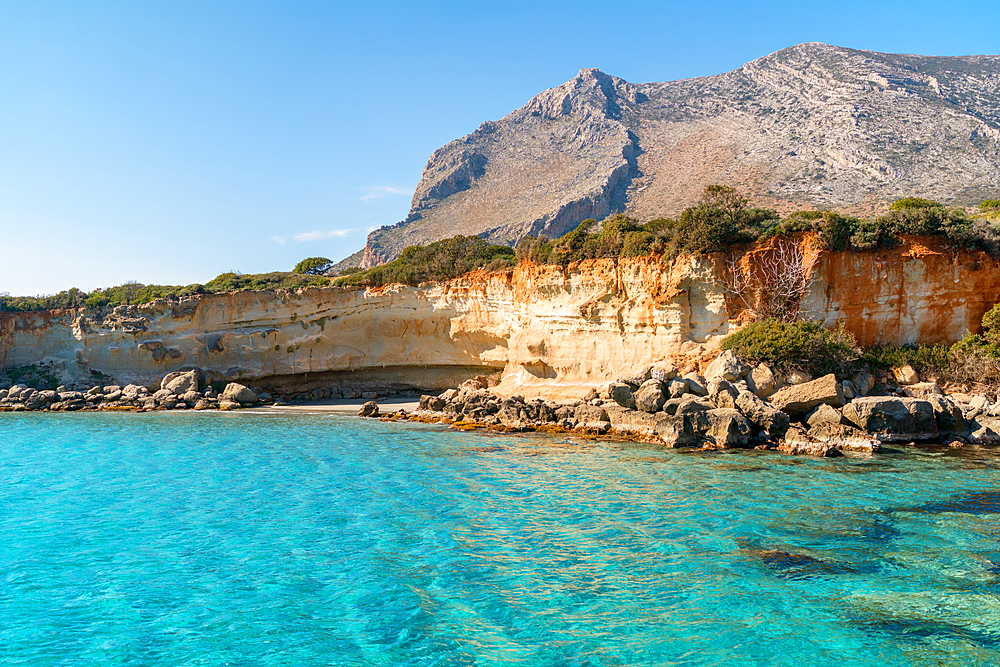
(788, 346)
(133, 293)
(441, 260)
(313, 265)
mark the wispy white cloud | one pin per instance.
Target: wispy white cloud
(383, 192)
(318, 235)
(278, 239)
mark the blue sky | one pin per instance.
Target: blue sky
(170, 142)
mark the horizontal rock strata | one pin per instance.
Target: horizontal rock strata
(549, 329)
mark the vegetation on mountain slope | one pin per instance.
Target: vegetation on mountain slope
(723, 218)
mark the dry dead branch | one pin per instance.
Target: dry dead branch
(770, 282)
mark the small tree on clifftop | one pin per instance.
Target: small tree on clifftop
(313, 265)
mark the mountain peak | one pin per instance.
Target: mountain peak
(809, 126)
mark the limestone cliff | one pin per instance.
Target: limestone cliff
(811, 126)
(544, 326)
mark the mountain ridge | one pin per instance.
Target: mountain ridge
(809, 126)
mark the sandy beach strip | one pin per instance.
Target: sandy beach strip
(352, 405)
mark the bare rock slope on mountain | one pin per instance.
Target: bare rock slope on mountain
(811, 126)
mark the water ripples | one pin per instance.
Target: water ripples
(269, 539)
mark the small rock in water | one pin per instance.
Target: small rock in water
(369, 409)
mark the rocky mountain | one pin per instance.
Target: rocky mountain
(811, 126)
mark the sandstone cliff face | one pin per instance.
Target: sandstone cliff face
(919, 292)
(437, 333)
(811, 126)
(547, 328)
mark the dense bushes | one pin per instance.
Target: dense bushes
(441, 260)
(808, 347)
(722, 218)
(911, 203)
(971, 360)
(136, 293)
(838, 232)
(788, 346)
(927, 360)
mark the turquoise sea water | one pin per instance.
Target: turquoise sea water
(316, 539)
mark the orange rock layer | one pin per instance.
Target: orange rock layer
(549, 329)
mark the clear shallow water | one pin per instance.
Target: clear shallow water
(266, 539)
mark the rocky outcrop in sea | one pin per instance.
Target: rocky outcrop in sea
(184, 390)
(734, 406)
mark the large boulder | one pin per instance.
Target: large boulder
(633, 421)
(824, 414)
(191, 397)
(677, 387)
(679, 430)
(949, 416)
(798, 442)
(765, 416)
(727, 366)
(800, 399)
(693, 406)
(369, 409)
(922, 390)
(587, 413)
(864, 382)
(621, 393)
(36, 400)
(181, 382)
(986, 431)
(727, 428)
(697, 384)
(162, 394)
(131, 391)
(663, 371)
(238, 393)
(671, 406)
(892, 419)
(845, 438)
(649, 397)
(722, 392)
(761, 381)
(906, 375)
(638, 376)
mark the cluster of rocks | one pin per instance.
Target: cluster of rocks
(333, 393)
(178, 391)
(735, 406)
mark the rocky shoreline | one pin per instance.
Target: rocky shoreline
(732, 406)
(183, 390)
